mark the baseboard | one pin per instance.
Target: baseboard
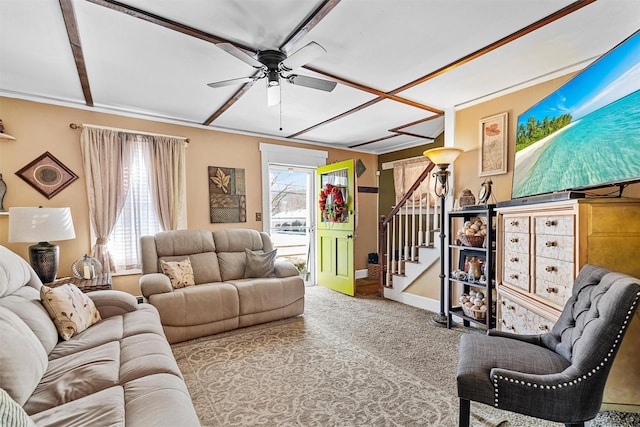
(418, 301)
(362, 274)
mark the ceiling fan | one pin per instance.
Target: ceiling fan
(276, 65)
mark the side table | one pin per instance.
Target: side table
(100, 282)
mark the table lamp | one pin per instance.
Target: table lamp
(41, 225)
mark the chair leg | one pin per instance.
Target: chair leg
(465, 412)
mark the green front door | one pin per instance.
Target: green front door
(336, 224)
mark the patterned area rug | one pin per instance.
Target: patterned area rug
(362, 361)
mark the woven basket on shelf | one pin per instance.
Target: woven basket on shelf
(474, 312)
(475, 241)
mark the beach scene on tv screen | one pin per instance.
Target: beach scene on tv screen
(585, 134)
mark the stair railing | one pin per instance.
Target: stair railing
(406, 228)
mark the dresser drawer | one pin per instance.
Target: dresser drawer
(555, 247)
(516, 242)
(557, 225)
(554, 293)
(516, 224)
(518, 278)
(519, 320)
(516, 261)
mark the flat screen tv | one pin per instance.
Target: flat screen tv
(586, 134)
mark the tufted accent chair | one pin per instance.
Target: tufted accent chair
(559, 375)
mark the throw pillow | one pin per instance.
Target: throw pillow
(71, 310)
(12, 414)
(259, 264)
(180, 272)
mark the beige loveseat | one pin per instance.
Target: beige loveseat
(119, 371)
(223, 297)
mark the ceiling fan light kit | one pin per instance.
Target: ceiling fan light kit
(274, 64)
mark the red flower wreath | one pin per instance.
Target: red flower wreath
(332, 211)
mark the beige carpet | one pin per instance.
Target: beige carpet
(361, 361)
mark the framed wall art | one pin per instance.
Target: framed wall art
(493, 145)
(227, 195)
(47, 175)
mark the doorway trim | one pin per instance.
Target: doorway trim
(282, 155)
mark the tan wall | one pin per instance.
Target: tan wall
(42, 127)
(466, 166)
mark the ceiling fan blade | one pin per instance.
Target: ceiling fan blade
(312, 82)
(231, 82)
(240, 54)
(302, 56)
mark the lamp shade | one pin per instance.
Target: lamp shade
(40, 224)
(443, 155)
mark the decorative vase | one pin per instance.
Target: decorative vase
(3, 191)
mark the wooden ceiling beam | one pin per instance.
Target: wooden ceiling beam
(372, 91)
(234, 98)
(495, 45)
(166, 23)
(339, 116)
(306, 26)
(71, 24)
(455, 64)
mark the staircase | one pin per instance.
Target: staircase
(407, 247)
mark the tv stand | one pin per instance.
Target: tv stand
(543, 198)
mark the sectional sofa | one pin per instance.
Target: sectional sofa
(119, 370)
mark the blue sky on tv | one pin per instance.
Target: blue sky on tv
(613, 76)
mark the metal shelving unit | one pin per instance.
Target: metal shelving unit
(457, 253)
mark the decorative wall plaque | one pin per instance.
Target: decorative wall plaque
(47, 175)
(227, 195)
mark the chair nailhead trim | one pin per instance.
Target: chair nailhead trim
(575, 381)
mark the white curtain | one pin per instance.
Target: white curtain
(136, 185)
(405, 174)
(106, 158)
(166, 169)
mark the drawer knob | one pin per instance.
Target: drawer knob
(511, 308)
(515, 223)
(551, 243)
(552, 290)
(514, 276)
(514, 240)
(514, 259)
(550, 268)
(544, 328)
(551, 223)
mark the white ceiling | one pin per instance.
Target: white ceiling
(138, 63)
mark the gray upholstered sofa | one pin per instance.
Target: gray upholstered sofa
(224, 296)
(120, 370)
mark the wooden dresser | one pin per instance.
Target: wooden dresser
(541, 249)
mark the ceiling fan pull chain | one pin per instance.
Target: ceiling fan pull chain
(280, 108)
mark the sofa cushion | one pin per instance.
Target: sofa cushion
(179, 272)
(184, 242)
(103, 408)
(12, 414)
(14, 272)
(23, 361)
(259, 264)
(71, 310)
(237, 240)
(75, 376)
(25, 303)
(197, 305)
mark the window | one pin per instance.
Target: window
(138, 217)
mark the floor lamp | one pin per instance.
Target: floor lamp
(442, 158)
(41, 225)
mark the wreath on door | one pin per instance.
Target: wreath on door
(332, 204)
